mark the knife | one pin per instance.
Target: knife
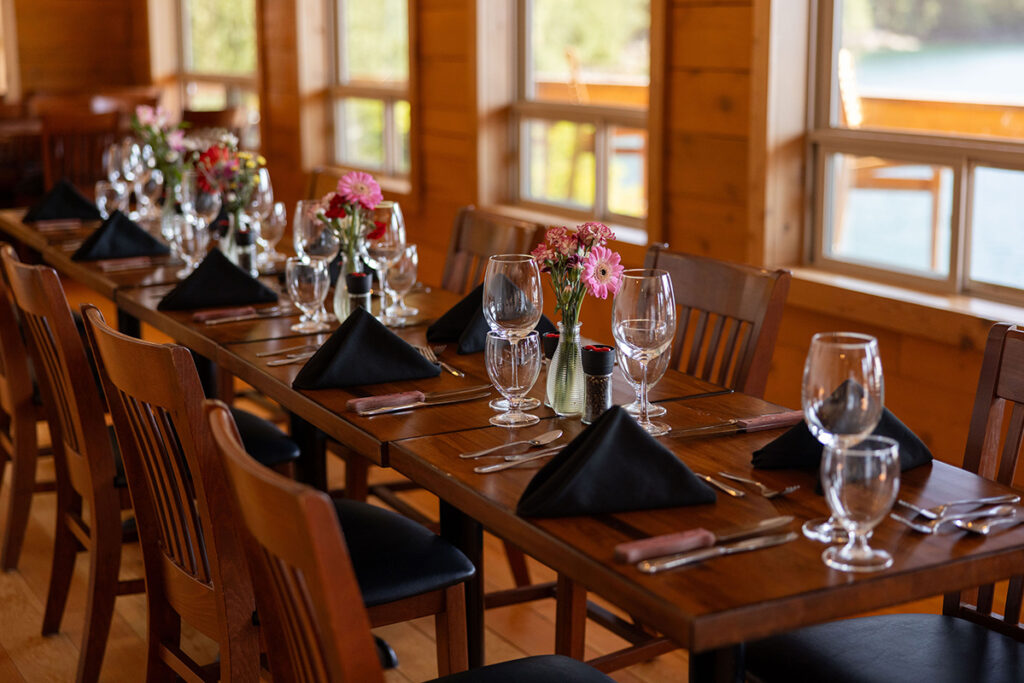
(484, 393)
(274, 312)
(694, 556)
(367, 403)
(692, 539)
(740, 424)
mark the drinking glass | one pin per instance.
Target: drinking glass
(190, 241)
(842, 398)
(382, 246)
(149, 184)
(633, 371)
(512, 303)
(860, 483)
(643, 324)
(401, 278)
(308, 282)
(513, 366)
(311, 236)
(262, 201)
(112, 162)
(110, 196)
(272, 231)
(200, 205)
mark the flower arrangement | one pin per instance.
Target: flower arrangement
(167, 141)
(230, 172)
(344, 209)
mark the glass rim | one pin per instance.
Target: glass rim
(642, 273)
(495, 334)
(844, 339)
(510, 258)
(885, 443)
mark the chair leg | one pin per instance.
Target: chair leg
(570, 618)
(357, 476)
(162, 626)
(517, 563)
(104, 563)
(23, 479)
(65, 548)
(450, 632)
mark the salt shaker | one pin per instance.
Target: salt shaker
(598, 362)
(358, 285)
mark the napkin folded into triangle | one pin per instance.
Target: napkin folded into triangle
(63, 201)
(363, 351)
(612, 466)
(216, 282)
(119, 237)
(465, 323)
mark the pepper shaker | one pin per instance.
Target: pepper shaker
(358, 285)
(598, 361)
(245, 241)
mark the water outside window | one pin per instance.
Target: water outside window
(560, 162)
(360, 127)
(997, 234)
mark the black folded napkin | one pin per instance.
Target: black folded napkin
(216, 282)
(612, 466)
(63, 201)
(798, 449)
(363, 351)
(119, 237)
(465, 323)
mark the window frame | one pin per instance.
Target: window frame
(961, 153)
(234, 84)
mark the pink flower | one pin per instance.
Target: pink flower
(602, 272)
(594, 234)
(542, 253)
(176, 140)
(361, 188)
(560, 240)
(145, 115)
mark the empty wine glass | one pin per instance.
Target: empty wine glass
(512, 303)
(262, 201)
(307, 281)
(842, 398)
(633, 371)
(643, 324)
(513, 366)
(272, 231)
(191, 238)
(149, 185)
(382, 246)
(311, 236)
(401, 278)
(110, 196)
(860, 483)
(112, 162)
(199, 202)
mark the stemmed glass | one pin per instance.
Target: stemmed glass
(512, 304)
(271, 232)
(860, 484)
(842, 398)
(261, 203)
(199, 206)
(191, 237)
(513, 366)
(149, 184)
(643, 324)
(313, 238)
(401, 278)
(382, 246)
(308, 283)
(110, 196)
(633, 372)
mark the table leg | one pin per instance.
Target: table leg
(570, 618)
(312, 465)
(724, 665)
(207, 370)
(467, 535)
(128, 324)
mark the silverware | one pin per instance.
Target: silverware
(487, 469)
(735, 493)
(940, 510)
(931, 526)
(273, 312)
(693, 556)
(429, 354)
(290, 359)
(766, 491)
(987, 525)
(692, 539)
(457, 397)
(542, 440)
(288, 349)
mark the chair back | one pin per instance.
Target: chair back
(16, 394)
(323, 179)
(478, 235)
(195, 563)
(318, 629)
(229, 118)
(728, 317)
(73, 146)
(994, 442)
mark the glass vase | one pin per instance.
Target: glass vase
(227, 243)
(168, 211)
(565, 373)
(349, 262)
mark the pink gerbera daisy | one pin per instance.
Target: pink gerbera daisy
(361, 188)
(602, 272)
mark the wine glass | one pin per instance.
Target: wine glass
(311, 236)
(272, 231)
(112, 162)
(149, 184)
(512, 303)
(513, 366)
(262, 200)
(110, 196)
(842, 398)
(401, 278)
(307, 281)
(199, 204)
(860, 483)
(382, 246)
(643, 324)
(633, 371)
(190, 241)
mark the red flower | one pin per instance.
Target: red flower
(336, 208)
(378, 232)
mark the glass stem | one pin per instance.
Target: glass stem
(383, 291)
(514, 353)
(644, 419)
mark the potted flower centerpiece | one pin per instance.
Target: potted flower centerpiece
(167, 143)
(234, 175)
(580, 263)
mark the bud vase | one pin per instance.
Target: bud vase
(565, 373)
(349, 262)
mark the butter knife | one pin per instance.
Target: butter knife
(692, 539)
(275, 312)
(484, 393)
(694, 556)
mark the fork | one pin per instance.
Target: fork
(429, 354)
(766, 491)
(940, 511)
(931, 526)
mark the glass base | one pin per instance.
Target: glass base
(653, 409)
(184, 272)
(501, 404)
(849, 558)
(655, 428)
(402, 311)
(309, 326)
(824, 530)
(518, 419)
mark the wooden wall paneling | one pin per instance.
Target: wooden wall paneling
(707, 167)
(716, 102)
(656, 116)
(716, 36)
(10, 47)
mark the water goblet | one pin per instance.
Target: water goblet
(512, 303)
(191, 238)
(311, 236)
(401, 278)
(110, 196)
(513, 367)
(632, 371)
(307, 281)
(842, 398)
(643, 324)
(382, 246)
(271, 232)
(860, 483)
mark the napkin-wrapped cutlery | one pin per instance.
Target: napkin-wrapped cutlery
(692, 539)
(416, 399)
(694, 556)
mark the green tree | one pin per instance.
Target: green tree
(222, 36)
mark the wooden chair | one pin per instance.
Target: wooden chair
(84, 460)
(970, 640)
(196, 570)
(478, 235)
(323, 179)
(317, 630)
(728, 317)
(73, 145)
(228, 119)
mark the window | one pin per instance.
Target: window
(218, 59)
(580, 115)
(370, 95)
(918, 140)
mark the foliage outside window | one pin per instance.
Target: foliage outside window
(918, 137)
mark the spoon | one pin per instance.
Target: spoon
(985, 526)
(932, 526)
(542, 440)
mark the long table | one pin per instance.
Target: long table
(710, 608)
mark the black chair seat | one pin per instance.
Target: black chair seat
(928, 648)
(395, 558)
(263, 440)
(540, 669)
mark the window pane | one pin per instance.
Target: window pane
(889, 213)
(204, 96)
(559, 162)
(403, 122)
(374, 41)
(997, 232)
(940, 65)
(221, 36)
(359, 125)
(627, 172)
(590, 51)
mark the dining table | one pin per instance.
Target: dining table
(710, 608)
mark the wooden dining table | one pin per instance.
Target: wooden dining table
(711, 608)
